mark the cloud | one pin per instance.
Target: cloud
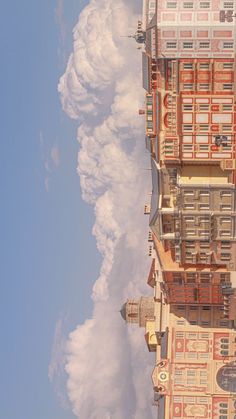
(107, 363)
(55, 155)
(50, 159)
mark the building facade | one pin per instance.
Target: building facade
(189, 77)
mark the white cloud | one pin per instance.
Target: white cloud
(108, 364)
(55, 155)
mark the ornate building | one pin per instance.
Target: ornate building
(189, 77)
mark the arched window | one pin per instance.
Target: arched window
(224, 340)
(224, 346)
(224, 352)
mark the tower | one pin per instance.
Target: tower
(138, 311)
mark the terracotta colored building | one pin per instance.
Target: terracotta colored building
(189, 77)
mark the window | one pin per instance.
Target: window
(206, 308)
(225, 256)
(226, 127)
(225, 245)
(204, 86)
(180, 308)
(204, 44)
(227, 65)
(192, 335)
(187, 127)
(204, 127)
(205, 335)
(224, 323)
(227, 107)
(189, 193)
(224, 340)
(187, 147)
(204, 4)
(171, 5)
(225, 207)
(203, 107)
(188, 5)
(193, 322)
(225, 233)
(203, 207)
(188, 86)
(204, 66)
(171, 45)
(188, 66)
(205, 323)
(192, 308)
(228, 5)
(204, 147)
(187, 45)
(152, 5)
(187, 107)
(227, 86)
(228, 45)
(224, 352)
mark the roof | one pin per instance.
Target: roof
(155, 191)
(123, 311)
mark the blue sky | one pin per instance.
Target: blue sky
(46, 246)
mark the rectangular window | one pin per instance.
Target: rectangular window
(203, 127)
(188, 66)
(228, 5)
(225, 233)
(227, 107)
(228, 45)
(204, 86)
(187, 107)
(187, 147)
(204, 44)
(203, 207)
(204, 107)
(188, 206)
(225, 256)
(206, 308)
(171, 45)
(191, 355)
(226, 127)
(188, 5)
(204, 193)
(225, 207)
(187, 127)
(225, 245)
(204, 147)
(181, 308)
(204, 4)
(204, 66)
(224, 323)
(191, 373)
(180, 322)
(227, 66)
(187, 45)
(227, 86)
(171, 5)
(188, 86)
(205, 323)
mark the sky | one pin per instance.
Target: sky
(73, 188)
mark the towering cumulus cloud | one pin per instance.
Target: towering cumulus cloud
(107, 363)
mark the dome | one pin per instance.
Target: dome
(123, 311)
